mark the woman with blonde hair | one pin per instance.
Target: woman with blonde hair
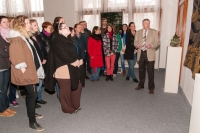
(26, 66)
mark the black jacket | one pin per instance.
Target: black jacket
(4, 54)
(63, 52)
(46, 42)
(130, 48)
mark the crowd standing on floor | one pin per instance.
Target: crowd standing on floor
(59, 58)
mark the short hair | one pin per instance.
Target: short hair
(70, 28)
(46, 24)
(32, 21)
(146, 19)
(103, 19)
(20, 25)
(82, 21)
(75, 26)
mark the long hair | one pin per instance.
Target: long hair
(94, 29)
(107, 28)
(123, 30)
(20, 25)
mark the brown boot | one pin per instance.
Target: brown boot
(11, 111)
(124, 72)
(6, 114)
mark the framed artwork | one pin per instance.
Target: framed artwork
(114, 18)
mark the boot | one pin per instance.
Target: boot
(107, 77)
(124, 72)
(6, 114)
(111, 78)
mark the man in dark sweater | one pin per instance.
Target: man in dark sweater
(86, 33)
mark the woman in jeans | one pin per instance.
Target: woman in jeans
(37, 40)
(26, 67)
(4, 68)
(95, 48)
(131, 52)
(110, 46)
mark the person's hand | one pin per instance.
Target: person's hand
(139, 45)
(81, 62)
(44, 61)
(148, 46)
(135, 50)
(76, 63)
(23, 69)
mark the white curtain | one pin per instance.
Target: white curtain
(31, 8)
(133, 10)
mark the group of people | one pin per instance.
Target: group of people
(59, 57)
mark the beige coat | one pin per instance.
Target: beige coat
(21, 56)
(152, 38)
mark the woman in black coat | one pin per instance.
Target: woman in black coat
(66, 67)
(131, 52)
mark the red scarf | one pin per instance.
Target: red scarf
(110, 35)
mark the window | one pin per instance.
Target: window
(91, 4)
(145, 2)
(18, 5)
(92, 21)
(118, 3)
(37, 7)
(3, 4)
(138, 17)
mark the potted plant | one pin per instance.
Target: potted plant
(175, 41)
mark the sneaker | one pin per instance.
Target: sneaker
(38, 116)
(14, 103)
(36, 127)
(17, 95)
(114, 75)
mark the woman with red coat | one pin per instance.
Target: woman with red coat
(95, 51)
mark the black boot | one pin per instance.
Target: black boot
(107, 77)
(111, 78)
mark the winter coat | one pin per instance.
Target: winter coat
(106, 44)
(95, 52)
(130, 48)
(4, 54)
(21, 55)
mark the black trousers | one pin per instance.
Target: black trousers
(84, 64)
(144, 65)
(31, 96)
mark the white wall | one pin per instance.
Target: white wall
(187, 83)
(63, 8)
(168, 27)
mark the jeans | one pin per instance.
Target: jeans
(110, 62)
(12, 93)
(57, 90)
(4, 80)
(131, 64)
(95, 76)
(116, 62)
(122, 61)
(39, 90)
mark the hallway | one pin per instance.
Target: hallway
(109, 107)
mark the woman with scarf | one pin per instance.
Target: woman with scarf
(110, 46)
(95, 48)
(4, 68)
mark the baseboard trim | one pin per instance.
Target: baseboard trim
(185, 99)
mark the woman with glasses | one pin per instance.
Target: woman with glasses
(66, 67)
